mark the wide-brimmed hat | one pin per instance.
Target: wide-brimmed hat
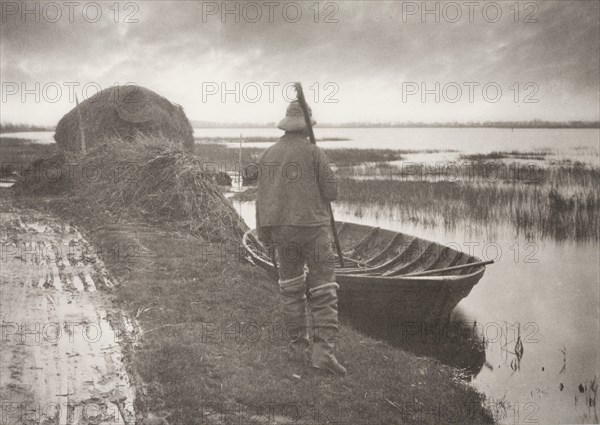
(294, 118)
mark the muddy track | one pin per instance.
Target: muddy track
(62, 342)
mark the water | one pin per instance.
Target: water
(44, 137)
(541, 290)
(575, 144)
(547, 289)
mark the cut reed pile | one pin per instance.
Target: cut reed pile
(123, 112)
(146, 177)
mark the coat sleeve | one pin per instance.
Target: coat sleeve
(327, 176)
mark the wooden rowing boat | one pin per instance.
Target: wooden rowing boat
(391, 277)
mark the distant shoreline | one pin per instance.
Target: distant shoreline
(23, 128)
(595, 126)
(495, 124)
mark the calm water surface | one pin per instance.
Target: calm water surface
(576, 144)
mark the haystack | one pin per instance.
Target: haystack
(124, 112)
(158, 180)
(146, 177)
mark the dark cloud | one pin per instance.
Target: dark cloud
(370, 51)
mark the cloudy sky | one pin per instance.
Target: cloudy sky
(358, 61)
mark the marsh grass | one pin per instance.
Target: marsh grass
(562, 173)
(560, 200)
(563, 213)
(18, 128)
(537, 155)
(221, 154)
(18, 154)
(200, 139)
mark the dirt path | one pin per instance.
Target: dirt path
(61, 360)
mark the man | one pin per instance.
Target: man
(294, 186)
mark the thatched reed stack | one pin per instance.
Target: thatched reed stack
(123, 112)
(146, 177)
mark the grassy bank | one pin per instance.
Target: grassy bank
(211, 349)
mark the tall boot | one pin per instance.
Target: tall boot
(295, 317)
(323, 309)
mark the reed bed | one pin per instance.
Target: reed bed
(342, 157)
(559, 200)
(225, 156)
(18, 154)
(17, 128)
(564, 173)
(537, 155)
(542, 210)
(201, 139)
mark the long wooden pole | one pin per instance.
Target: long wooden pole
(240, 164)
(311, 136)
(81, 129)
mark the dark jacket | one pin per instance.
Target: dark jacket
(295, 183)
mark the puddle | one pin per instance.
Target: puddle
(62, 343)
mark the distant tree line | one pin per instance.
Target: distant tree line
(471, 124)
(411, 124)
(16, 128)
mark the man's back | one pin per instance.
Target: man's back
(292, 215)
(294, 184)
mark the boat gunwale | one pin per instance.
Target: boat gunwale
(418, 278)
(387, 279)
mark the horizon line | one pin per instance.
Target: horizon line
(537, 123)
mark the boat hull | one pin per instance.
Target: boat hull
(378, 284)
